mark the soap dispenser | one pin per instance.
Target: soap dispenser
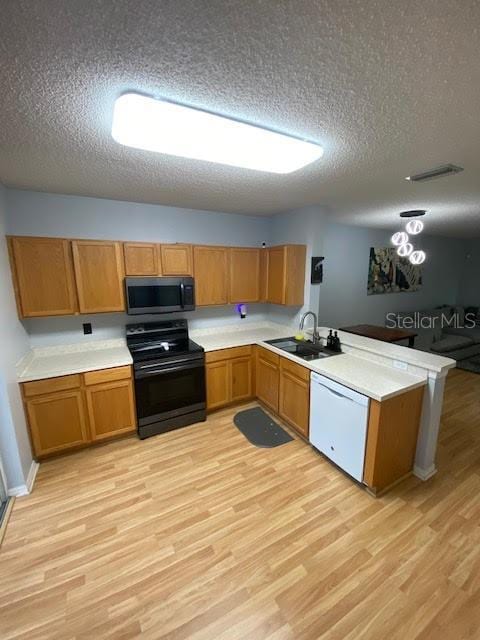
(336, 342)
(330, 340)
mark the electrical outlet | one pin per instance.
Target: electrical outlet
(87, 328)
(398, 364)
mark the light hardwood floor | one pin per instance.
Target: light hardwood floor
(197, 534)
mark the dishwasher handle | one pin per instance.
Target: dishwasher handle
(336, 393)
(339, 390)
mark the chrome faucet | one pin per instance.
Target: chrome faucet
(315, 335)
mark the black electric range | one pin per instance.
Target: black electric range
(169, 374)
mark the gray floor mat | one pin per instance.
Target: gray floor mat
(260, 429)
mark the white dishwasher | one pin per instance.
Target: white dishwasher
(338, 423)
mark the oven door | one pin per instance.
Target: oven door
(169, 390)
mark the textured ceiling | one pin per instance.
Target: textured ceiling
(388, 88)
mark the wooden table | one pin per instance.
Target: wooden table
(381, 333)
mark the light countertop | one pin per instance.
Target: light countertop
(237, 336)
(357, 368)
(369, 378)
(64, 360)
(374, 380)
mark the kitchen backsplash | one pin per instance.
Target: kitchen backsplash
(69, 329)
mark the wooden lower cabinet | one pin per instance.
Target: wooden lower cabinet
(392, 439)
(111, 410)
(218, 387)
(294, 396)
(229, 374)
(267, 378)
(241, 379)
(68, 412)
(57, 421)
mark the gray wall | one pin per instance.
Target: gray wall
(47, 214)
(343, 295)
(14, 443)
(470, 281)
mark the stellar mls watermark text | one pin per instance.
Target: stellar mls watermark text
(419, 320)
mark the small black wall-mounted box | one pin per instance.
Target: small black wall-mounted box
(317, 270)
(87, 328)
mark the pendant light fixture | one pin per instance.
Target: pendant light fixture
(404, 250)
(401, 239)
(414, 227)
(418, 257)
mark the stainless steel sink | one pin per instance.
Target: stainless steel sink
(301, 349)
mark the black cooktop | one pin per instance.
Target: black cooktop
(153, 340)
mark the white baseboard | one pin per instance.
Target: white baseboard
(424, 474)
(25, 489)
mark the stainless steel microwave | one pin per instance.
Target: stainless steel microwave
(159, 295)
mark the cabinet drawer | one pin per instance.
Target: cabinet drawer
(295, 369)
(50, 385)
(267, 355)
(228, 354)
(107, 375)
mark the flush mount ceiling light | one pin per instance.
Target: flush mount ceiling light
(165, 127)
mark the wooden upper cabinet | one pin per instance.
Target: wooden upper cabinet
(176, 259)
(99, 274)
(141, 259)
(276, 275)
(286, 274)
(211, 275)
(263, 275)
(244, 274)
(42, 271)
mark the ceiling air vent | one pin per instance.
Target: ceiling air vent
(438, 172)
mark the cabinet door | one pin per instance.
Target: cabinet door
(43, 268)
(218, 384)
(392, 438)
(267, 378)
(241, 379)
(99, 274)
(141, 259)
(263, 275)
(211, 275)
(276, 275)
(176, 259)
(111, 409)
(244, 275)
(57, 421)
(294, 405)
(295, 256)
